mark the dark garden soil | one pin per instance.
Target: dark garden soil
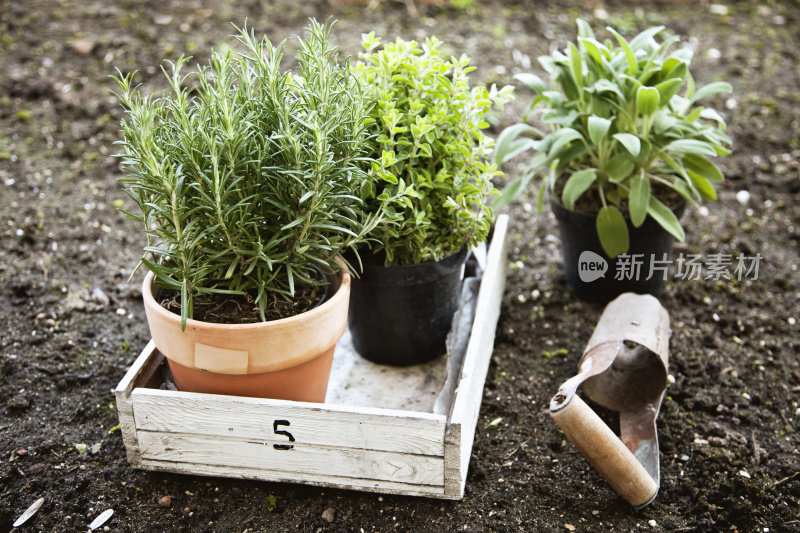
(70, 323)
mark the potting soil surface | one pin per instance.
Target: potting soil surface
(71, 323)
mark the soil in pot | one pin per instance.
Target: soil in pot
(400, 315)
(242, 309)
(592, 275)
(288, 358)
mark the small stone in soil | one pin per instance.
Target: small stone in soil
(743, 197)
(18, 401)
(718, 9)
(100, 297)
(83, 46)
(329, 514)
(165, 501)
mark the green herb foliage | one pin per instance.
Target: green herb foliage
(621, 117)
(246, 177)
(432, 171)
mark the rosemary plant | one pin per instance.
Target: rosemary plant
(248, 178)
(432, 170)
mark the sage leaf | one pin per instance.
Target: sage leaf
(619, 167)
(666, 218)
(509, 192)
(598, 127)
(592, 48)
(639, 200)
(703, 186)
(613, 231)
(561, 138)
(630, 57)
(630, 142)
(667, 89)
(532, 81)
(647, 99)
(712, 88)
(584, 29)
(702, 166)
(576, 185)
(576, 65)
(604, 86)
(692, 146)
(510, 143)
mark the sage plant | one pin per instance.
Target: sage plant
(620, 116)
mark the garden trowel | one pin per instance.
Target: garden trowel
(624, 368)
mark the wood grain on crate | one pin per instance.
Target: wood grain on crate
(346, 446)
(142, 373)
(371, 485)
(303, 458)
(464, 415)
(317, 424)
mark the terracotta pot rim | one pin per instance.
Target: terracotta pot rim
(147, 294)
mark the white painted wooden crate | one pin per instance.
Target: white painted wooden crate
(382, 429)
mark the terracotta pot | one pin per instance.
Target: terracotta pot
(288, 359)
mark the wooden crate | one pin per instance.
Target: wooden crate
(347, 445)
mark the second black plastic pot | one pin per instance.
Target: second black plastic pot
(400, 315)
(592, 275)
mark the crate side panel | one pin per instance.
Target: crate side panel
(271, 420)
(128, 429)
(142, 370)
(469, 393)
(383, 487)
(301, 458)
(454, 476)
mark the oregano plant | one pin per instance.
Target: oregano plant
(247, 178)
(623, 118)
(432, 170)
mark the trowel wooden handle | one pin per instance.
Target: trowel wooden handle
(606, 452)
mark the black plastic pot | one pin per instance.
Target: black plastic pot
(591, 274)
(401, 315)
